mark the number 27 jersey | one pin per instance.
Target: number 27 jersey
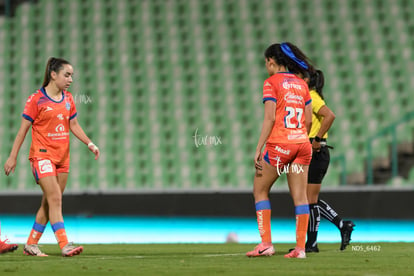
(291, 95)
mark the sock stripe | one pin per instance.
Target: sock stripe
(58, 226)
(39, 227)
(302, 209)
(326, 214)
(263, 205)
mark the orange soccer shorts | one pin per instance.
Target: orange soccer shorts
(44, 167)
(280, 155)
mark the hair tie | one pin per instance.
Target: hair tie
(287, 51)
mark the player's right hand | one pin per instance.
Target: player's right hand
(10, 165)
(258, 162)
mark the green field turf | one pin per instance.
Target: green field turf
(213, 259)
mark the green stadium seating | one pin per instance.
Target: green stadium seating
(148, 74)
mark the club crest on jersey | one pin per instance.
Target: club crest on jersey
(67, 105)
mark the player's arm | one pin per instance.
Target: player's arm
(328, 118)
(308, 117)
(268, 122)
(80, 134)
(11, 162)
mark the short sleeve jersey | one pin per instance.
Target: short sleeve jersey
(291, 95)
(317, 103)
(50, 125)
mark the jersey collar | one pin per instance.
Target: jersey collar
(47, 96)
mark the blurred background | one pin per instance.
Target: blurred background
(170, 90)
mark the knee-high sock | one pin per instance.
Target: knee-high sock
(314, 220)
(263, 213)
(60, 234)
(302, 221)
(329, 213)
(36, 233)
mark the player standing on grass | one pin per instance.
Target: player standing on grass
(322, 119)
(287, 121)
(52, 113)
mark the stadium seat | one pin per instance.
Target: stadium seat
(149, 73)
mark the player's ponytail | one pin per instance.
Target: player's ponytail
(317, 81)
(53, 65)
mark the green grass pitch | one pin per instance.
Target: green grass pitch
(213, 259)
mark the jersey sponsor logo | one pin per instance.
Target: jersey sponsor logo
(60, 133)
(288, 85)
(45, 166)
(296, 136)
(60, 128)
(292, 97)
(48, 109)
(282, 151)
(60, 116)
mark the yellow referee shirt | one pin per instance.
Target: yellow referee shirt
(317, 103)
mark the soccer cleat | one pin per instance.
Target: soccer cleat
(313, 249)
(346, 231)
(261, 250)
(33, 250)
(6, 247)
(70, 250)
(298, 253)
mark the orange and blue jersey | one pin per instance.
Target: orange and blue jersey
(50, 126)
(291, 95)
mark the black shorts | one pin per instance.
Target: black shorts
(319, 165)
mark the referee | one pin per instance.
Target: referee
(322, 119)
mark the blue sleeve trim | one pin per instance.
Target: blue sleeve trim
(268, 99)
(263, 205)
(308, 102)
(302, 209)
(73, 116)
(27, 117)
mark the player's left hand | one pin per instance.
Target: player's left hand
(93, 148)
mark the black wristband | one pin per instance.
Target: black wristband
(317, 139)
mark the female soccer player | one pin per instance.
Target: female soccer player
(322, 119)
(287, 121)
(51, 112)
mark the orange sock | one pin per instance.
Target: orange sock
(36, 233)
(263, 213)
(60, 234)
(302, 220)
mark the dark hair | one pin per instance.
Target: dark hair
(299, 65)
(55, 65)
(317, 81)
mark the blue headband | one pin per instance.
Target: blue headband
(287, 51)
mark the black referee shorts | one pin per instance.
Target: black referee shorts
(319, 165)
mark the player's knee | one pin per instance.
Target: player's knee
(55, 200)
